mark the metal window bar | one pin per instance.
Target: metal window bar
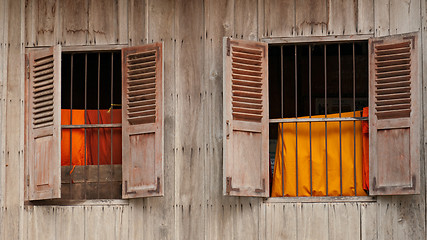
(310, 120)
(87, 126)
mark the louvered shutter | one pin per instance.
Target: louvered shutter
(394, 117)
(44, 113)
(245, 118)
(142, 119)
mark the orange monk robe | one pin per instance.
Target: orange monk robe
(318, 156)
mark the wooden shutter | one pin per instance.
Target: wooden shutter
(394, 117)
(245, 118)
(142, 119)
(44, 113)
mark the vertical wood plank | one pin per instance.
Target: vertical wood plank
(385, 218)
(342, 19)
(46, 15)
(312, 221)
(99, 223)
(382, 17)
(246, 19)
(103, 22)
(122, 16)
(136, 219)
(44, 223)
(365, 17)
(30, 31)
(404, 16)
(69, 223)
(409, 217)
(344, 221)
(311, 18)
(368, 221)
(137, 22)
(121, 228)
(159, 18)
(280, 18)
(74, 22)
(189, 134)
(281, 221)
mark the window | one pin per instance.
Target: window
(315, 130)
(394, 125)
(84, 91)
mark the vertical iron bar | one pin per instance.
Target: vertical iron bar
(282, 115)
(326, 115)
(309, 107)
(112, 120)
(296, 116)
(354, 122)
(339, 99)
(85, 114)
(98, 114)
(71, 123)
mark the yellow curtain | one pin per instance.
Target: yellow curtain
(318, 153)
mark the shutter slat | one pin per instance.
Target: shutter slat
(247, 94)
(246, 100)
(251, 67)
(246, 89)
(247, 56)
(142, 81)
(144, 97)
(142, 76)
(247, 78)
(393, 107)
(42, 104)
(393, 84)
(393, 67)
(246, 61)
(43, 83)
(247, 105)
(141, 86)
(247, 83)
(393, 62)
(142, 65)
(247, 50)
(44, 88)
(142, 92)
(394, 114)
(393, 57)
(137, 71)
(393, 101)
(392, 51)
(142, 108)
(393, 74)
(256, 112)
(42, 61)
(246, 72)
(393, 90)
(43, 109)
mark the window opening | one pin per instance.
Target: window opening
(316, 96)
(91, 125)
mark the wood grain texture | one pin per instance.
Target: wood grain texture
(365, 17)
(74, 22)
(344, 221)
(279, 18)
(312, 221)
(343, 17)
(68, 223)
(103, 22)
(245, 19)
(311, 18)
(404, 16)
(137, 14)
(382, 17)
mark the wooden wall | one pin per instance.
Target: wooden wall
(193, 206)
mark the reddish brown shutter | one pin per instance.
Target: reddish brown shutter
(44, 113)
(394, 118)
(246, 154)
(142, 121)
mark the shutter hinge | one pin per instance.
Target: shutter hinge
(228, 46)
(157, 190)
(126, 189)
(229, 188)
(261, 190)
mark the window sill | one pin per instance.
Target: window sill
(63, 202)
(319, 199)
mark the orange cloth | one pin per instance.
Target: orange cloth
(78, 138)
(365, 140)
(318, 147)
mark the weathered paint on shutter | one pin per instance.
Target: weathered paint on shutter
(142, 119)
(245, 118)
(394, 117)
(44, 120)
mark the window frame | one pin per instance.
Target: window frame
(160, 128)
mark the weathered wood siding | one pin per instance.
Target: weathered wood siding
(192, 30)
